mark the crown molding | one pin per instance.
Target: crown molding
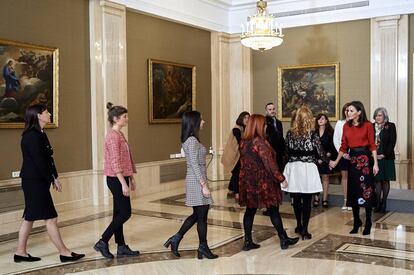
(227, 15)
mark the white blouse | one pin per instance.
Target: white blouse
(337, 137)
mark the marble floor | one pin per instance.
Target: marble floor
(388, 250)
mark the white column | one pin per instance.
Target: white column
(389, 82)
(231, 91)
(107, 22)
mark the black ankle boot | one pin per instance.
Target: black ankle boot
(103, 247)
(174, 241)
(204, 251)
(298, 229)
(357, 225)
(285, 241)
(305, 235)
(367, 228)
(125, 251)
(249, 244)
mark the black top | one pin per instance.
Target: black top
(274, 135)
(237, 134)
(327, 144)
(304, 148)
(37, 153)
(388, 141)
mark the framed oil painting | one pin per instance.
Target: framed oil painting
(172, 90)
(316, 86)
(29, 76)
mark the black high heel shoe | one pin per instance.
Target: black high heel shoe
(298, 229)
(357, 225)
(174, 241)
(204, 251)
(306, 235)
(367, 229)
(249, 244)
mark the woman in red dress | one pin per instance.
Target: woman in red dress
(260, 181)
(358, 137)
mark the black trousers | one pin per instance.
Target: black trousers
(199, 216)
(275, 218)
(122, 211)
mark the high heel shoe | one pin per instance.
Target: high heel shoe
(174, 241)
(204, 251)
(306, 235)
(367, 229)
(357, 225)
(298, 229)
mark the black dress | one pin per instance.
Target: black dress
(328, 147)
(234, 180)
(38, 173)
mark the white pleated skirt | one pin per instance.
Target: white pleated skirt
(302, 177)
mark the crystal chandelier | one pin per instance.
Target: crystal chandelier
(261, 31)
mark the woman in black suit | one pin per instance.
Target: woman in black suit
(38, 172)
(385, 138)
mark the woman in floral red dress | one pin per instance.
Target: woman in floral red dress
(260, 181)
(358, 137)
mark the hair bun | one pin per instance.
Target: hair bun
(109, 105)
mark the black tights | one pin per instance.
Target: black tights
(302, 205)
(275, 218)
(368, 214)
(384, 188)
(199, 216)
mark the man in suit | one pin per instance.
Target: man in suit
(274, 135)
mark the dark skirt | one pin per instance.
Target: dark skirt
(323, 168)
(343, 164)
(38, 200)
(386, 170)
(361, 185)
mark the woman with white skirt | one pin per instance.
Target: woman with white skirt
(301, 172)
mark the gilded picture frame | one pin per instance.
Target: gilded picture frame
(30, 75)
(314, 85)
(172, 90)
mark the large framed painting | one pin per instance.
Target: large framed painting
(29, 76)
(172, 90)
(316, 86)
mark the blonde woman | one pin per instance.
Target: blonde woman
(301, 172)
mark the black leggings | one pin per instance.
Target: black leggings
(122, 211)
(199, 216)
(302, 205)
(275, 218)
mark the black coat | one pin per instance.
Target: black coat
(389, 139)
(274, 136)
(37, 153)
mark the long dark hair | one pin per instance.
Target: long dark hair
(344, 110)
(31, 120)
(115, 111)
(328, 126)
(362, 117)
(190, 125)
(239, 120)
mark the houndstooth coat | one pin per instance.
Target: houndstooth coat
(195, 154)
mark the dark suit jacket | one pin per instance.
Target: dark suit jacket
(389, 139)
(37, 153)
(274, 136)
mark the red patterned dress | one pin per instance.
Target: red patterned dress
(260, 177)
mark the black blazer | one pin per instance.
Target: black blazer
(275, 137)
(389, 139)
(37, 153)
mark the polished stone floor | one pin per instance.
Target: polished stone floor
(388, 250)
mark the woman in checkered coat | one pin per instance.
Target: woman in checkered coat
(198, 194)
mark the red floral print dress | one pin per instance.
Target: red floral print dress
(260, 177)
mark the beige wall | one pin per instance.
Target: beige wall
(62, 24)
(149, 37)
(347, 43)
(410, 95)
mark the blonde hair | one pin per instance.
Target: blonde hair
(303, 124)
